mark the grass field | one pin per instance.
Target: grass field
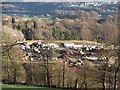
(20, 87)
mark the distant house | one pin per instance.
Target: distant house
(68, 45)
(91, 58)
(53, 45)
(78, 46)
(71, 45)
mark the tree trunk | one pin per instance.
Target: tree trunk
(59, 79)
(14, 80)
(28, 73)
(47, 72)
(115, 78)
(63, 74)
(76, 83)
(14, 77)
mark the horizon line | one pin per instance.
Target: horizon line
(60, 1)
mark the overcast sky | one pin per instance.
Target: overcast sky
(56, 0)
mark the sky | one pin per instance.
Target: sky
(56, 0)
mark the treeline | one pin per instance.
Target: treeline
(16, 69)
(86, 26)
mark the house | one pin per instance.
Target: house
(53, 45)
(68, 45)
(91, 58)
(78, 46)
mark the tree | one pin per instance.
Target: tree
(56, 33)
(47, 55)
(35, 25)
(14, 62)
(13, 20)
(117, 66)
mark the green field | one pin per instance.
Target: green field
(20, 87)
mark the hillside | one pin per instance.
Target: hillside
(88, 29)
(70, 46)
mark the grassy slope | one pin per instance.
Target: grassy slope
(19, 87)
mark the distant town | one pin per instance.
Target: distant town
(72, 54)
